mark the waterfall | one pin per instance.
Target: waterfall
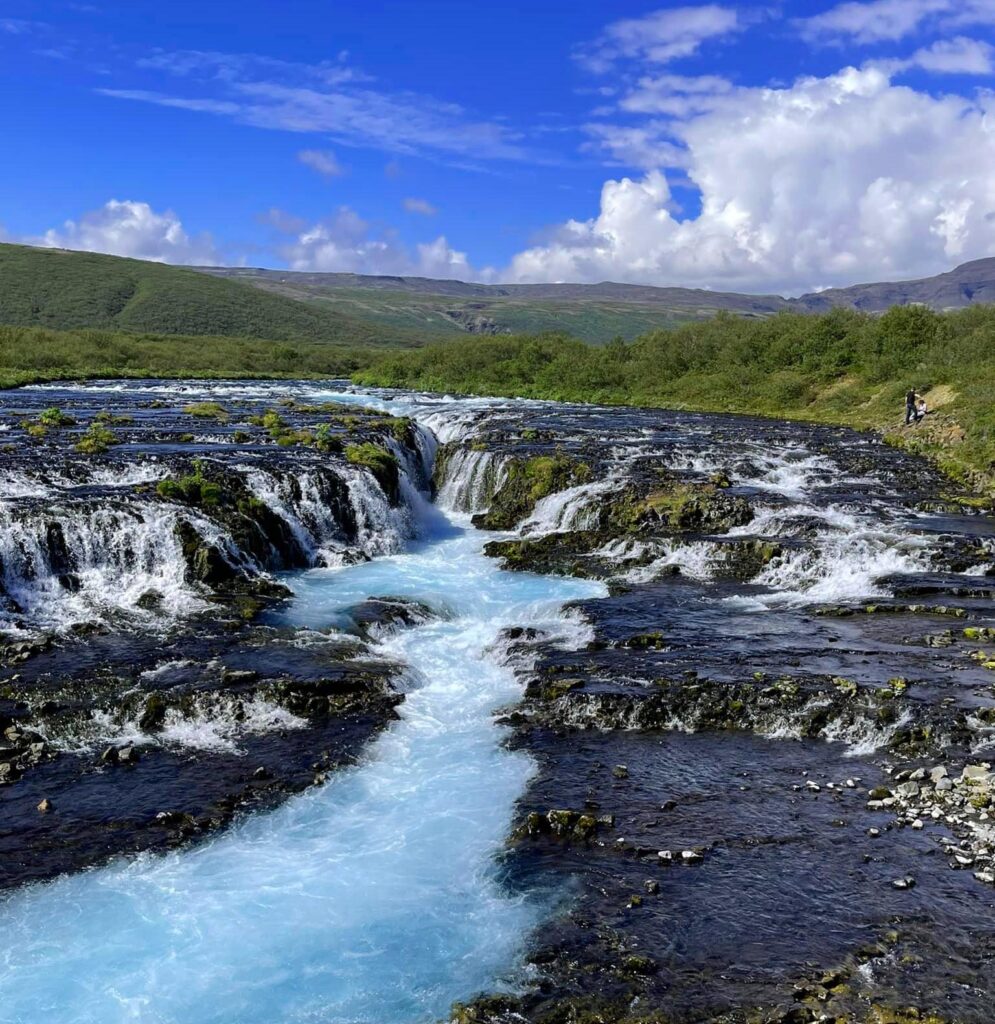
(64, 565)
(471, 479)
(69, 555)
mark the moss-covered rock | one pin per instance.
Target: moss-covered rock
(679, 507)
(380, 463)
(527, 481)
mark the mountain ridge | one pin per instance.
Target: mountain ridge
(957, 288)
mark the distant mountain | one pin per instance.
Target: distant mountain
(595, 312)
(964, 286)
(59, 289)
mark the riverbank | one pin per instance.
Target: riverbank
(842, 368)
(35, 355)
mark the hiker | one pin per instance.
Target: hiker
(921, 409)
(910, 405)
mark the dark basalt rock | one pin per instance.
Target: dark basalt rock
(157, 793)
(381, 615)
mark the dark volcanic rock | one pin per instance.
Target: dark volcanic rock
(198, 725)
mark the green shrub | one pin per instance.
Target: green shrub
(96, 440)
(55, 417)
(192, 489)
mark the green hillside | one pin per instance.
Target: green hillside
(433, 309)
(62, 290)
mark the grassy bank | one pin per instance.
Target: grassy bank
(31, 355)
(842, 367)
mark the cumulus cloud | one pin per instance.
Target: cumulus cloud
(130, 228)
(422, 206)
(827, 181)
(661, 36)
(888, 20)
(322, 161)
(345, 243)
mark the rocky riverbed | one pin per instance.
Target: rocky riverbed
(765, 782)
(763, 788)
(144, 700)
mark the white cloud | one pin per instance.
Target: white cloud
(888, 20)
(645, 145)
(422, 206)
(16, 26)
(322, 161)
(328, 99)
(345, 243)
(960, 56)
(661, 36)
(675, 95)
(828, 181)
(129, 228)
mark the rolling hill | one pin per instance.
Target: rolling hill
(591, 312)
(63, 290)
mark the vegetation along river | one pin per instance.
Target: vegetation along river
(323, 704)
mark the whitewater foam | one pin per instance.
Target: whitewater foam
(371, 900)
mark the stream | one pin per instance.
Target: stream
(373, 898)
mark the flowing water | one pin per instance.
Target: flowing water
(373, 898)
(379, 896)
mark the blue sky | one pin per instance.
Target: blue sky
(756, 147)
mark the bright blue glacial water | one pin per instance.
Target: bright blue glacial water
(373, 898)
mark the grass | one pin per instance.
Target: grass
(32, 355)
(63, 290)
(192, 489)
(207, 411)
(842, 367)
(437, 315)
(96, 440)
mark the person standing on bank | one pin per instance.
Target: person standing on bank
(911, 399)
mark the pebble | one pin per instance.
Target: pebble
(45, 806)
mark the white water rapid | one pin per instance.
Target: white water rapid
(373, 898)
